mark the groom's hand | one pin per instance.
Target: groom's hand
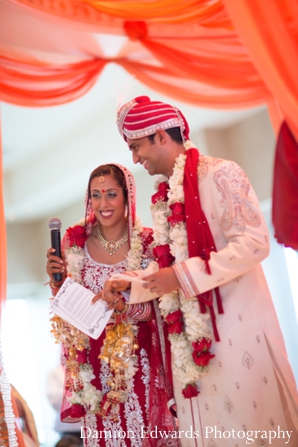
(161, 282)
(110, 290)
(118, 285)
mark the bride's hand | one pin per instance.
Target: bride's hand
(114, 300)
(56, 265)
(111, 289)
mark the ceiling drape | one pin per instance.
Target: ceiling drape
(234, 54)
(195, 56)
(211, 53)
(43, 84)
(271, 37)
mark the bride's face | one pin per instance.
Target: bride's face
(107, 201)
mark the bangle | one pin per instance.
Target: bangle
(119, 312)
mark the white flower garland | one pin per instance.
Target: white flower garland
(89, 396)
(197, 325)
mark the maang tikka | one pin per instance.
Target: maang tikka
(101, 180)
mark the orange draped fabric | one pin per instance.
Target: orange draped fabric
(212, 53)
(29, 84)
(200, 63)
(232, 54)
(165, 11)
(270, 33)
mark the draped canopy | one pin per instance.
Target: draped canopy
(232, 54)
(212, 53)
(223, 54)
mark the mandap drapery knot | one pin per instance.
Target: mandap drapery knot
(136, 30)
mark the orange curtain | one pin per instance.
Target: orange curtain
(165, 11)
(270, 33)
(218, 54)
(41, 84)
(196, 57)
(108, 16)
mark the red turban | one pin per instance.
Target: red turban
(142, 117)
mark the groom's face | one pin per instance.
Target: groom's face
(148, 154)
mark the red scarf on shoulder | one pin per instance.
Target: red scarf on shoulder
(199, 236)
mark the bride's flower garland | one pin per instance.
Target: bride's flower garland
(79, 374)
(190, 330)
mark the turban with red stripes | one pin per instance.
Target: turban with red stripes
(142, 117)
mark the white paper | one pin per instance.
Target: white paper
(73, 304)
(138, 294)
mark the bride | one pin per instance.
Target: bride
(117, 385)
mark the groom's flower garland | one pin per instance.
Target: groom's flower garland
(79, 374)
(190, 331)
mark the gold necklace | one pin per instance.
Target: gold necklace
(111, 246)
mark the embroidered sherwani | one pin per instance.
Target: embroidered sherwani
(250, 384)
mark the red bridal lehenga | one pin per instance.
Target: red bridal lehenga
(144, 414)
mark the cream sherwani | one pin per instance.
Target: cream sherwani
(250, 385)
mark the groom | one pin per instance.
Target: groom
(209, 240)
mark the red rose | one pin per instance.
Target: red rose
(76, 236)
(202, 345)
(177, 213)
(176, 328)
(190, 391)
(203, 358)
(174, 316)
(177, 208)
(163, 256)
(77, 411)
(173, 220)
(161, 194)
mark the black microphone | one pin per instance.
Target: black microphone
(54, 226)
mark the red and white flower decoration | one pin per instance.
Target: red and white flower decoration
(190, 330)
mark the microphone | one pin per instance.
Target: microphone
(54, 226)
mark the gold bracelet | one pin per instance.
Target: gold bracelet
(120, 312)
